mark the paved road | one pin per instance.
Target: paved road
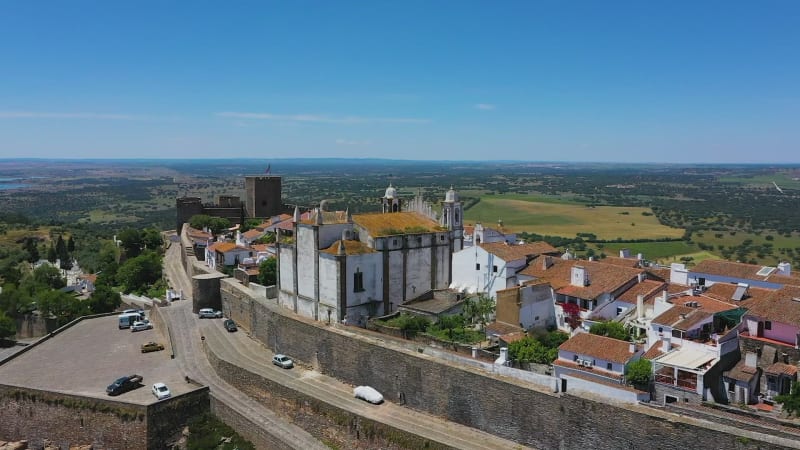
(192, 361)
(241, 350)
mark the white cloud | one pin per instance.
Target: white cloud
(484, 106)
(314, 118)
(58, 115)
(351, 142)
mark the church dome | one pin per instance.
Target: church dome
(451, 196)
(390, 192)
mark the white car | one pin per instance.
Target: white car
(282, 361)
(141, 325)
(209, 313)
(368, 394)
(161, 391)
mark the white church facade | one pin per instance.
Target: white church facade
(344, 267)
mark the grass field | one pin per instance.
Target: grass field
(696, 258)
(9, 239)
(782, 179)
(519, 213)
(650, 250)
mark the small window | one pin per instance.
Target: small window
(731, 386)
(478, 266)
(441, 238)
(767, 325)
(608, 366)
(660, 329)
(358, 282)
(394, 241)
(494, 269)
(574, 357)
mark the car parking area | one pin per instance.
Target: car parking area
(89, 356)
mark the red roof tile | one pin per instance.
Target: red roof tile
(781, 369)
(782, 306)
(511, 252)
(601, 347)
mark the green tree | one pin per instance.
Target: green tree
(131, 242)
(8, 327)
(791, 401)
(200, 221)
(104, 300)
(638, 373)
(70, 244)
(136, 274)
(267, 272)
(610, 329)
(30, 245)
(64, 307)
(49, 276)
(530, 350)
(478, 310)
(51, 253)
(151, 239)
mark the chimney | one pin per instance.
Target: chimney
(580, 277)
(640, 256)
(547, 262)
(640, 306)
(641, 276)
(665, 343)
(664, 296)
(751, 359)
(624, 253)
(784, 268)
(296, 215)
(632, 348)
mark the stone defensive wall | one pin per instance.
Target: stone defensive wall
(506, 407)
(70, 420)
(303, 410)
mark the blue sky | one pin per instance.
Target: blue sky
(639, 81)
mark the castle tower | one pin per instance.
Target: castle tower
(390, 200)
(262, 196)
(187, 207)
(453, 218)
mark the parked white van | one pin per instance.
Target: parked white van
(127, 319)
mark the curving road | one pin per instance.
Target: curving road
(192, 361)
(241, 350)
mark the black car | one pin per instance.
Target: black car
(124, 384)
(230, 325)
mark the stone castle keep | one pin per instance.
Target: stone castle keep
(262, 199)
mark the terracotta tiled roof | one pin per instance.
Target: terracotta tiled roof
(194, 233)
(729, 269)
(469, 229)
(655, 351)
(603, 278)
(741, 372)
(658, 273)
(792, 280)
(350, 248)
(223, 247)
(501, 328)
(624, 262)
(513, 337)
(511, 252)
(648, 288)
(705, 303)
(601, 347)
(681, 317)
(725, 291)
(781, 369)
(328, 217)
(252, 234)
(285, 225)
(780, 306)
(89, 277)
(260, 247)
(388, 224)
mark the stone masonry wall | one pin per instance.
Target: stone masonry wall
(323, 420)
(70, 420)
(167, 417)
(507, 408)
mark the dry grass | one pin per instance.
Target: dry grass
(556, 219)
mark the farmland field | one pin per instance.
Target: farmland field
(560, 219)
(651, 250)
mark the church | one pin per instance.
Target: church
(344, 267)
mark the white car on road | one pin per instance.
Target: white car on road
(209, 313)
(161, 391)
(368, 394)
(141, 325)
